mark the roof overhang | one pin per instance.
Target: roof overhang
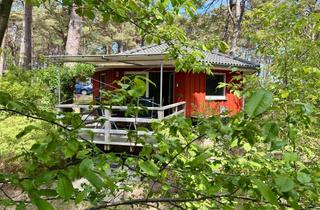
(105, 62)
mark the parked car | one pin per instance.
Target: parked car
(83, 88)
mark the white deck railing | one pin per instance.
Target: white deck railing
(110, 132)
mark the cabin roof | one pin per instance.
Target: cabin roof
(151, 55)
(210, 57)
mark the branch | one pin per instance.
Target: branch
(45, 120)
(144, 201)
(230, 12)
(35, 117)
(183, 149)
(176, 200)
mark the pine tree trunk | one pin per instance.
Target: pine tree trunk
(239, 11)
(74, 33)
(2, 55)
(25, 59)
(22, 51)
(5, 8)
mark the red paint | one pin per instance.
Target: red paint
(193, 88)
(188, 87)
(95, 84)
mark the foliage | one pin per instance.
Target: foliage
(65, 76)
(265, 157)
(11, 146)
(241, 161)
(17, 82)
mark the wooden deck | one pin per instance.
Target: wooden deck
(111, 127)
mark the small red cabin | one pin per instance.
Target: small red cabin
(174, 92)
(198, 90)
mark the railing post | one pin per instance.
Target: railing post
(107, 126)
(76, 109)
(184, 109)
(160, 114)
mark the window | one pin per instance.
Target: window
(212, 90)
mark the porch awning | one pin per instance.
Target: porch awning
(152, 56)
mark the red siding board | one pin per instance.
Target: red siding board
(95, 84)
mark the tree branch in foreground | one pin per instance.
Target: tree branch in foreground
(175, 200)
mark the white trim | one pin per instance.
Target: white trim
(217, 97)
(161, 85)
(146, 75)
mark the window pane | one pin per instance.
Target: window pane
(212, 82)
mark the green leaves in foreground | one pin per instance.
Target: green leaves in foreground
(267, 193)
(258, 103)
(149, 168)
(86, 169)
(285, 184)
(64, 187)
(270, 131)
(200, 158)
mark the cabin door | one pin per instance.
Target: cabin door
(167, 91)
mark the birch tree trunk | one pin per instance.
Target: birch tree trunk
(74, 33)
(5, 8)
(238, 16)
(25, 59)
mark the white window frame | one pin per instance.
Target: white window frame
(146, 75)
(216, 97)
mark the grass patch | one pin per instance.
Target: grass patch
(10, 146)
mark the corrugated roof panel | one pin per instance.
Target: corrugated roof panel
(211, 57)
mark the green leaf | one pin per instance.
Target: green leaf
(94, 179)
(45, 177)
(149, 168)
(86, 170)
(21, 206)
(303, 177)
(6, 202)
(258, 103)
(41, 204)
(5, 98)
(284, 184)
(200, 158)
(26, 130)
(246, 147)
(85, 165)
(290, 157)
(270, 131)
(64, 187)
(267, 193)
(80, 196)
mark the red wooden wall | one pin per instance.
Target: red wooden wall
(188, 87)
(191, 88)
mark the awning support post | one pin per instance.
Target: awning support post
(161, 83)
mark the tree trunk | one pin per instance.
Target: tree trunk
(238, 15)
(74, 33)
(142, 42)
(2, 55)
(26, 40)
(5, 8)
(225, 36)
(120, 47)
